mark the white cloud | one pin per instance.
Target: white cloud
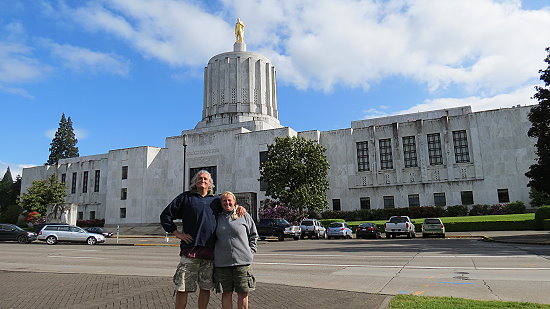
(17, 64)
(15, 168)
(84, 60)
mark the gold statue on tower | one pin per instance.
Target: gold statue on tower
(239, 31)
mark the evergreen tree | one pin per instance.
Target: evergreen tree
(6, 191)
(296, 172)
(539, 173)
(63, 144)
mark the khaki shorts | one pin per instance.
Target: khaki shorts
(193, 271)
(234, 279)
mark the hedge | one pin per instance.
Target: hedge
(542, 213)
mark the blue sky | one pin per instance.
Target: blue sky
(129, 72)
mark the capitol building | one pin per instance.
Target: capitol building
(435, 158)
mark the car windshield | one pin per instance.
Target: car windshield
(307, 223)
(398, 220)
(281, 221)
(366, 225)
(432, 221)
(336, 224)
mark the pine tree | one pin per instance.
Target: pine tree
(539, 173)
(6, 190)
(63, 145)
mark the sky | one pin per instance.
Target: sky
(130, 72)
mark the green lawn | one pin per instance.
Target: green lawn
(425, 302)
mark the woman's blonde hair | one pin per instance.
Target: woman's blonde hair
(229, 193)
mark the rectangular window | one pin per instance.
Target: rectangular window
(365, 202)
(123, 193)
(503, 196)
(263, 158)
(125, 172)
(123, 213)
(434, 149)
(439, 199)
(414, 200)
(386, 161)
(467, 197)
(336, 204)
(73, 184)
(389, 202)
(85, 182)
(63, 178)
(460, 141)
(80, 215)
(92, 214)
(409, 151)
(96, 181)
(362, 156)
(211, 169)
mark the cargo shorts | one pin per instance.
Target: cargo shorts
(192, 271)
(234, 279)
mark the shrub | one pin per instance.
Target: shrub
(497, 209)
(456, 211)
(540, 215)
(273, 209)
(90, 223)
(11, 214)
(479, 210)
(516, 207)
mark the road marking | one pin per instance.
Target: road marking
(418, 293)
(455, 282)
(76, 257)
(402, 266)
(397, 256)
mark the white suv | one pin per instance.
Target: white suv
(312, 228)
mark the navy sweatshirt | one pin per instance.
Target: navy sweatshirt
(198, 214)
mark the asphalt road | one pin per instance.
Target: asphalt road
(467, 268)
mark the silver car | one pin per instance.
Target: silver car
(52, 234)
(339, 230)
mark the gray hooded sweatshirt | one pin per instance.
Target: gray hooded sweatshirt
(235, 240)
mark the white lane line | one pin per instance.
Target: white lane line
(76, 257)
(401, 266)
(396, 256)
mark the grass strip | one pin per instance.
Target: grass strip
(429, 302)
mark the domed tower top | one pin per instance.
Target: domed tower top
(240, 88)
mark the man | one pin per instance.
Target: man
(198, 209)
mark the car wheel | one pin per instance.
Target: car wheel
(22, 239)
(442, 235)
(328, 237)
(302, 236)
(424, 235)
(296, 237)
(262, 238)
(388, 235)
(51, 240)
(409, 235)
(91, 241)
(414, 234)
(281, 236)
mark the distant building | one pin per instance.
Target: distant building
(442, 157)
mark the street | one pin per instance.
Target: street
(468, 268)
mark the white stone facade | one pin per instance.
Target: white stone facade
(132, 186)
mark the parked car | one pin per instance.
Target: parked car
(339, 230)
(38, 227)
(400, 225)
(99, 230)
(279, 228)
(433, 226)
(368, 230)
(312, 228)
(13, 232)
(52, 234)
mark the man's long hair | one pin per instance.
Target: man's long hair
(193, 186)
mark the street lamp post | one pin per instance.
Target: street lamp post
(184, 143)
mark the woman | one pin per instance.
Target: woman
(236, 239)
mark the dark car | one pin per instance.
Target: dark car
(13, 232)
(368, 230)
(279, 228)
(99, 230)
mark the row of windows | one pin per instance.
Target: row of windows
(84, 181)
(460, 142)
(467, 198)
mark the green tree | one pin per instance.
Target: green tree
(296, 171)
(6, 191)
(63, 145)
(42, 193)
(539, 173)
